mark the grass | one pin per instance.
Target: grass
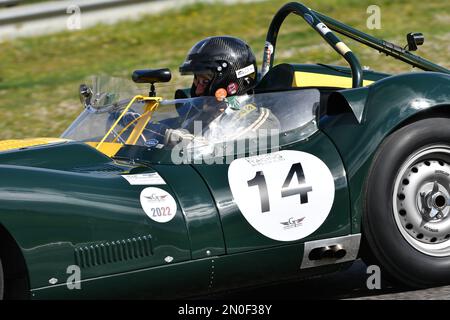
(39, 76)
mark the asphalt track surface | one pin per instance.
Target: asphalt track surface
(348, 284)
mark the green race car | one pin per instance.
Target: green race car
(162, 198)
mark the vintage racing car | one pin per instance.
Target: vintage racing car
(323, 165)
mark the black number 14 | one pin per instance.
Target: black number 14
(301, 189)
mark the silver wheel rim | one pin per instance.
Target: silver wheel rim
(421, 200)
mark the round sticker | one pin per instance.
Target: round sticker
(285, 195)
(221, 94)
(158, 204)
(232, 88)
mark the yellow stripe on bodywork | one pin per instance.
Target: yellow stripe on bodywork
(311, 79)
(107, 148)
(6, 145)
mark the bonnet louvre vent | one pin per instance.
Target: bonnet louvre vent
(113, 251)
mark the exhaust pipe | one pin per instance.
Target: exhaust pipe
(339, 251)
(327, 252)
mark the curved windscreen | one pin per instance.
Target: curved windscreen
(197, 124)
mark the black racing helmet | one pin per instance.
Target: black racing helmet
(229, 61)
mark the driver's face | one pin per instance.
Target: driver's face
(201, 82)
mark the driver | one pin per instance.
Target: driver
(224, 68)
(220, 63)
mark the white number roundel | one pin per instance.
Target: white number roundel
(286, 195)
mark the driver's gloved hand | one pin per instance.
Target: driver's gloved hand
(176, 136)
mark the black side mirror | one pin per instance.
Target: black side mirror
(151, 76)
(85, 95)
(414, 39)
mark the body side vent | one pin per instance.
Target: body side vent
(97, 254)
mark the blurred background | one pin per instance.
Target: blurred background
(47, 48)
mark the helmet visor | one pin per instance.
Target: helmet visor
(192, 66)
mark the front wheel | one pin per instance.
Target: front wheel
(406, 221)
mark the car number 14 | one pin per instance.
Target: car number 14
(285, 195)
(302, 189)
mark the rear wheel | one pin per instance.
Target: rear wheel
(406, 222)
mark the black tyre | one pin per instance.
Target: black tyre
(406, 221)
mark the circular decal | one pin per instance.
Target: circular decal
(232, 88)
(285, 195)
(221, 94)
(158, 204)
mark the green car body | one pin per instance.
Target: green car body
(66, 204)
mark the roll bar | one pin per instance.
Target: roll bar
(383, 46)
(312, 19)
(317, 21)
